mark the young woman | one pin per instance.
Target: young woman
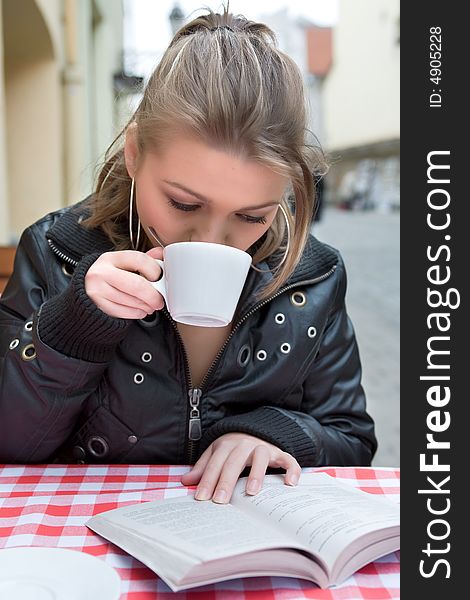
(94, 369)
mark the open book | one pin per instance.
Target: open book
(321, 530)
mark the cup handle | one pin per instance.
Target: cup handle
(160, 285)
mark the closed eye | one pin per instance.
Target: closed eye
(181, 206)
(251, 219)
(193, 207)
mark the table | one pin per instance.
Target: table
(47, 505)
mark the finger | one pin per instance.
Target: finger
(232, 466)
(149, 268)
(132, 261)
(113, 287)
(156, 252)
(259, 463)
(293, 474)
(192, 477)
(293, 469)
(117, 297)
(136, 286)
(211, 472)
(120, 312)
(151, 271)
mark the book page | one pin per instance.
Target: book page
(202, 529)
(322, 513)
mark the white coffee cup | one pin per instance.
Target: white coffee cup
(202, 282)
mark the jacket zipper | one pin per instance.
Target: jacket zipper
(61, 255)
(195, 394)
(194, 397)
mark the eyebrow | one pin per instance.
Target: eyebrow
(204, 199)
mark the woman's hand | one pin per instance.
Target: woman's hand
(119, 283)
(221, 463)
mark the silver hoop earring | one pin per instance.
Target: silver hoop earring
(131, 213)
(286, 252)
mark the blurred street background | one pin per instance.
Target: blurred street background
(368, 241)
(72, 71)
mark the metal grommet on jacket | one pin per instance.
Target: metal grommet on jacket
(138, 378)
(146, 357)
(28, 352)
(244, 355)
(97, 446)
(312, 332)
(285, 348)
(150, 320)
(261, 355)
(132, 439)
(14, 343)
(279, 318)
(67, 269)
(28, 326)
(298, 299)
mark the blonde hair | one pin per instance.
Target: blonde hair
(223, 79)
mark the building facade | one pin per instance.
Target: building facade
(58, 61)
(362, 106)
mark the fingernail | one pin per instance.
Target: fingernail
(220, 496)
(252, 486)
(294, 480)
(202, 494)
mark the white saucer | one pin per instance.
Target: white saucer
(36, 573)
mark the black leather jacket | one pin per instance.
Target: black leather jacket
(79, 386)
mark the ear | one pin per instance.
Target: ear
(130, 149)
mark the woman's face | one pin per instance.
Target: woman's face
(192, 192)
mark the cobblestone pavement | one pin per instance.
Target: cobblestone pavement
(369, 244)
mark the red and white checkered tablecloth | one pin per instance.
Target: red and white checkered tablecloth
(48, 505)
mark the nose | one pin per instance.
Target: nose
(215, 233)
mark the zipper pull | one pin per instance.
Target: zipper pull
(194, 429)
